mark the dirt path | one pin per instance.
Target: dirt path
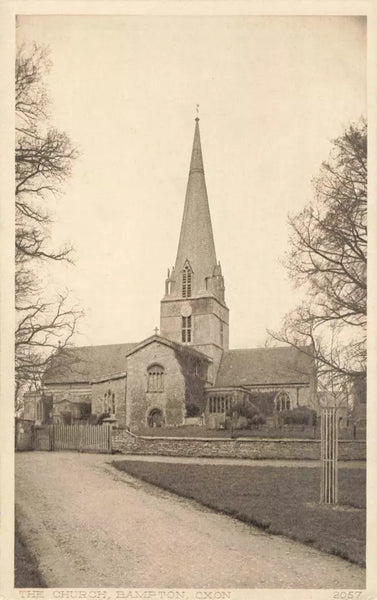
(92, 526)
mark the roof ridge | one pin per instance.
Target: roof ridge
(99, 346)
(267, 348)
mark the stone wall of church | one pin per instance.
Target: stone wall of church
(102, 395)
(263, 396)
(183, 382)
(170, 400)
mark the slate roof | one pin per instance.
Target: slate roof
(264, 366)
(81, 365)
(86, 363)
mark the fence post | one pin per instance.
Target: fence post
(33, 437)
(52, 437)
(329, 456)
(110, 438)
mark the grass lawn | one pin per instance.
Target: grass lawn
(281, 500)
(26, 574)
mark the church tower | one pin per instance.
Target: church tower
(193, 310)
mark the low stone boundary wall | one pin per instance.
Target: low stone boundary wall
(256, 448)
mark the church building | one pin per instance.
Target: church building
(187, 368)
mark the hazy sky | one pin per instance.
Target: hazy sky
(273, 92)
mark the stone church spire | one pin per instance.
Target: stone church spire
(196, 244)
(193, 309)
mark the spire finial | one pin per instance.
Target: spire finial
(197, 113)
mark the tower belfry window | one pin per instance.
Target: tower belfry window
(186, 330)
(186, 282)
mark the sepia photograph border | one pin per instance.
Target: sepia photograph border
(8, 12)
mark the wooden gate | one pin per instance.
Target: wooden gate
(84, 438)
(43, 437)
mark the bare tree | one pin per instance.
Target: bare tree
(43, 161)
(328, 258)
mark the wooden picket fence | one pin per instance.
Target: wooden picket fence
(84, 438)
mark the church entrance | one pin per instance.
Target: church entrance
(155, 418)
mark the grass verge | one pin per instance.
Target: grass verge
(281, 500)
(26, 573)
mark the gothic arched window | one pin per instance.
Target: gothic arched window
(282, 401)
(156, 378)
(186, 281)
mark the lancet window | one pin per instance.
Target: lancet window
(186, 329)
(187, 282)
(109, 402)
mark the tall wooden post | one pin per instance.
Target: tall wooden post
(329, 456)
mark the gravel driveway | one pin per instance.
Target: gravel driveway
(92, 526)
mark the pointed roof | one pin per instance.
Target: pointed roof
(196, 243)
(166, 342)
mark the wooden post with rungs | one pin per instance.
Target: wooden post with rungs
(329, 456)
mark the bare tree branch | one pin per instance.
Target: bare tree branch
(43, 162)
(328, 258)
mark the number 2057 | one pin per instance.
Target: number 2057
(352, 595)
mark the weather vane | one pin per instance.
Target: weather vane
(197, 109)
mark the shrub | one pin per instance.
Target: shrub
(241, 422)
(247, 411)
(85, 410)
(192, 410)
(258, 419)
(298, 416)
(101, 417)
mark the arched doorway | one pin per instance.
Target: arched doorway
(155, 418)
